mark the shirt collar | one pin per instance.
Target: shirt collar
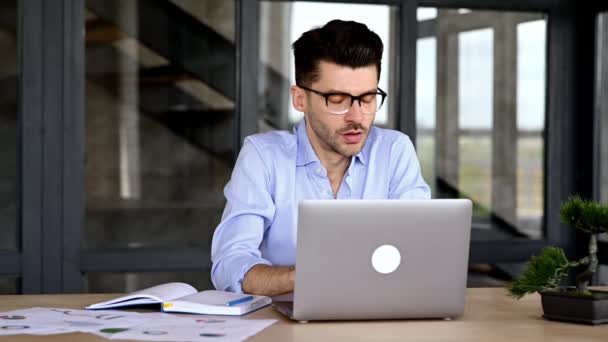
(307, 155)
(364, 153)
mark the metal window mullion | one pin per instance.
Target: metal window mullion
(51, 136)
(408, 33)
(73, 172)
(601, 110)
(52, 82)
(247, 61)
(30, 144)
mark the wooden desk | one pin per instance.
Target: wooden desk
(489, 316)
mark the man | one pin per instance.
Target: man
(333, 153)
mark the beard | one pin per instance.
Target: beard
(333, 139)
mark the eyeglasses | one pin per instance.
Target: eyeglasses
(340, 103)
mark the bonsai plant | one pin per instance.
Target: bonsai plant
(546, 271)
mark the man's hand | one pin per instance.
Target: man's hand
(269, 280)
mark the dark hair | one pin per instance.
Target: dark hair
(346, 43)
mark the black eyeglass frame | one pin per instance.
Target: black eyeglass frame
(352, 97)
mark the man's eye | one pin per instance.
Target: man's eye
(368, 98)
(337, 98)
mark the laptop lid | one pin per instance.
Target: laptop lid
(381, 259)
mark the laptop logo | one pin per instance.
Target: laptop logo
(386, 259)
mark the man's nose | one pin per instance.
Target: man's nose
(355, 113)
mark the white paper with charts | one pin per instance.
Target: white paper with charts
(114, 324)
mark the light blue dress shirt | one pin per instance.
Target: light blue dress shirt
(276, 170)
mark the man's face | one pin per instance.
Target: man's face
(344, 134)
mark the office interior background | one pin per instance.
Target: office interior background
(120, 122)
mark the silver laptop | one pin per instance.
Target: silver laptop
(380, 259)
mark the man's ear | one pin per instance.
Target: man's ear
(298, 98)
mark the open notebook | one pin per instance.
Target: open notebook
(181, 297)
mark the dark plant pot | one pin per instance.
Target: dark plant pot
(569, 306)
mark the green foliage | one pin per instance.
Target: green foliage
(586, 215)
(544, 273)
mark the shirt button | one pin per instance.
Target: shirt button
(319, 171)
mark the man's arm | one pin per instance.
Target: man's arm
(249, 211)
(269, 280)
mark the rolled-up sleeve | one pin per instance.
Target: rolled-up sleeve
(249, 211)
(406, 181)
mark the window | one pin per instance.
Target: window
(480, 115)
(282, 23)
(159, 118)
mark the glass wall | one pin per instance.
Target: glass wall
(159, 128)
(481, 115)
(9, 86)
(281, 23)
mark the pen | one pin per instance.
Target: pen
(239, 301)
